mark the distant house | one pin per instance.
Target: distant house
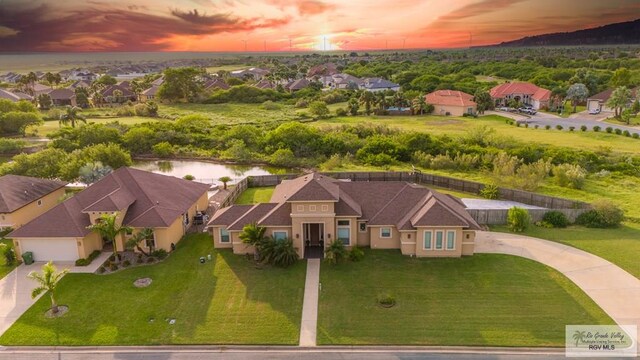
(159, 81)
(215, 84)
(109, 94)
(450, 102)
(41, 89)
(24, 198)
(322, 70)
(150, 93)
(525, 93)
(341, 81)
(82, 75)
(10, 78)
(379, 84)
(141, 199)
(265, 84)
(599, 101)
(63, 97)
(251, 73)
(80, 84)
(14, 95)
(297, 85)
(314, 210)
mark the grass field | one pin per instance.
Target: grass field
(4, 268)
(231, 113)
(634, 121)
(255, 195)
(224, 301)
(486, 300)
(457, 126)
(621, 245)
(51, 126)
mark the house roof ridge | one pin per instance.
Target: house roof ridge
(389, 202)
(414, 211)
(243, 215)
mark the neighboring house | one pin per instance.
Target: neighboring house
(599, 101)
(379, 84)
(150, 93)
(341, 81)
(142, 200)
(80, 84)
(63, 97)
(24, 198)
(314, 210)
(297, 85)
(215, 84)
(82, 75)
(109, 96)
(10, 77)
(265, 84)
(450, 102)
(526, 93)
(41, 89)
(322, 70)
(252, 73)
(14, 95)
(159, 81)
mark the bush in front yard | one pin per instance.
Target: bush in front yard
(335, 252)
(356, 254)
(8, 254)
(568, 175)
(605, 214)
(159, 253)
(555, 219)
(490, 191)
(280, 253)
(518, 219)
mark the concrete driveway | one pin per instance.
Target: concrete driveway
(616, 291)
(16, 288)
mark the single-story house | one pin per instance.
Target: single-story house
(41, 89)
(265, 84)
(63, 97)
(341, 81)
(599, 101)
(378, 84)
(450, 102)
(215, 84)
(322, 70)
(314, 210)
(14, 95)
(80, 84)
(24, 198)
(250, 73)
(150, 93)
(141, 200)
(526, 93)
(109, 94)
(297, 85)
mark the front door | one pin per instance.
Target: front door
(314, 234)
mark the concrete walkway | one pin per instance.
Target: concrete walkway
(16, 288)
(616, 291)
(309, 323)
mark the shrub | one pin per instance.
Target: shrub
(609, 129)
(386, 300)
(547, 127)
(270, 105)
(490, 191)
(341, 112)
(597, 128)
(189, 177)
(8, 254)
(335, 252)
(280, 253)
(82, 262)
(618, 131)
(626, 133)
(163, 149)
(126, 263)
(302, 103)
(604, 214)
(113, 267)
(571, 128)
(559, 127)
(571, 176)
(150, 260)
(556, 219)
(518, 219)
(635, 135)
(356, 254)
(101, 270)
(536, 126)
(159, 253)
(583, 128)
(319, 109)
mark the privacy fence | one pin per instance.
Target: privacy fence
(570, 208)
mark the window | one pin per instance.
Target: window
(451, 240)
(344, 231)
(279, 235)
(39, 202)
(325, 208)
(385, 232)
(151, 242)
(362, 226)
(300, 207)
(427, 240)
(439, 236)
(312, 208)
(224, 236)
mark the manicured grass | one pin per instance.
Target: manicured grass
(231, 113)
(487, 300)
(4, 268)
(224, 301)
(51, 126)
(634, 121)
(441, 125)
(620, 245)
(255, 195)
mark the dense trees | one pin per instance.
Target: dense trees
(181, 84)
(16, 117)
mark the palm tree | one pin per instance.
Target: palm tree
(107, 227)
(620, 98)
(335, 252)
(47, 281)
(225, 180)
(578, 336)
(576, 93)
(253, 234)
(381, 101)
(72, 116)
(418, 105)
(367, 99)
(134, 242)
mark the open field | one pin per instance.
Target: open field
(4, 268)
(255, 195)
(231, 114)
(621, 245)
(224, 301)
(486, 300)
(455, 126)
(634, 121)
(51, 126)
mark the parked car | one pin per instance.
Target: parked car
(594, 111)
(526, 110)
(504, 108)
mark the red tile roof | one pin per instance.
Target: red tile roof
(524, 88)
(449, 98)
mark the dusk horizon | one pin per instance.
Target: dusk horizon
(290, 26)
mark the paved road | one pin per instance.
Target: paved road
(319, 354)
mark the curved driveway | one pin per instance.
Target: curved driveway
(616, 291)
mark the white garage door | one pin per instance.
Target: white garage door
(51, 249)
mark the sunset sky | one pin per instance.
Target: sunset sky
(225, 25)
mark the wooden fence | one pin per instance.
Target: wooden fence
(570, 208)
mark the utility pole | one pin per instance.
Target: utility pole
(245, 45)
(404, 43)
(324, 43)
(290, 46)
(265, 46)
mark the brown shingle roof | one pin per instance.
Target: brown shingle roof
(311, 187)
(17, 191)
(229, 215)
(279, 216)
(254, 215)
(153, 200)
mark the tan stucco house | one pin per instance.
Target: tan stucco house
(525, 93)
(24, 198)
(314, 210)
(451, 102)
(141, 199)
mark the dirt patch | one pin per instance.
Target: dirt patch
(142, 282)
(62, 309)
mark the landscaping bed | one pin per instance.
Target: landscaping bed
(484, 300)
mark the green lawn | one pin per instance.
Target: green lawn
(4, 268)
(634, 121)
(231, 113)
(568, 110)
(441, 125)
(51, 126)
(255, 195)
(225, 301)
(486, 300)
(621, 245)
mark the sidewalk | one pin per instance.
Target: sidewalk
(309, 323)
